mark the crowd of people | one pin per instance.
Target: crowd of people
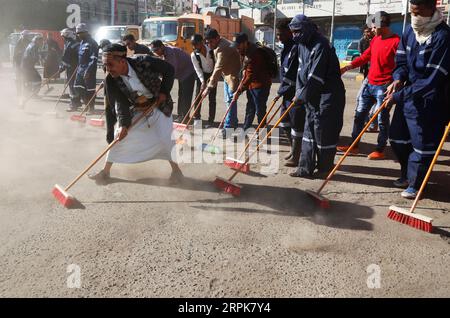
(410, 72)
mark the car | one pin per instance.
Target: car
(352, 51)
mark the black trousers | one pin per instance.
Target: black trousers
(212, 99)
(185, 92)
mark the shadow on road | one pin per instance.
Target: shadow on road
(276, 200)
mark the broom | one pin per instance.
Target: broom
(209, 147)
(64, 90)
(238, 163)
(418, 221)
(61, 194)
(180, 139)
(321, 200)
(182, 125)
(80, 117)
(45, 82)
(230, 187)
(98, 122)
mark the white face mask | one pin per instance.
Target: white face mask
(418, 22)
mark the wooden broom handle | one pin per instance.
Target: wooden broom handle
(190, 108)
(355, 142)
(66, 85)
(92, 98)
(262, 141)
(259, 127)
(144, 114)
(430, 169)
(234, 100)
(191, 117)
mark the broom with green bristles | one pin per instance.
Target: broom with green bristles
(410, 218)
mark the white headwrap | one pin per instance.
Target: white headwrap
(423, 27)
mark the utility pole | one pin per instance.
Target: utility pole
(406, 16)
(368, 9)
(332, 23)
(113, 12)
(303, 7)
(146, 8)
(275, 24)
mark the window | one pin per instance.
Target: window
(188, 30)
(124, 17)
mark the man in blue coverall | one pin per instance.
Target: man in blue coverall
(85, 80)
(420, 91)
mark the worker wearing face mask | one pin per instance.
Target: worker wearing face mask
(420, 91)
(321, 91)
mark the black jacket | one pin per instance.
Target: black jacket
(155, 74)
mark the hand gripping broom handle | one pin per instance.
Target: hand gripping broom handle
(430, 169)
(144, 114)
(259, 127)
(66, 85)
(355, 142)
(190, 108)
(92, 98)
(262, 141)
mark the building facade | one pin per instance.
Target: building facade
(99, 12)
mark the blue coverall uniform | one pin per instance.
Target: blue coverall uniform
(422, 105)
(69, 63)
(87, 65)
(321, 91)
(294, 122)
(32, 78)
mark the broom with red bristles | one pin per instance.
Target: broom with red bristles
(180, 139)
(321, 200)
(61, 194)
(408, 217)
(80, 117)
(228, 185)
(183, 125)
(239, 163)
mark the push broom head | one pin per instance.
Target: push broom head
(62, 196)
(210, 148)
(180, 127)
(96, 122)
(237, 164)
(323, 202)
(228, 186)
(418, 221)
(79, 118)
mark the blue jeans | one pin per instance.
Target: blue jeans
(256, 104)
(231, 121)
(365, 103)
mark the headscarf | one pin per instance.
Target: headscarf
(423, 27)
(306, 27)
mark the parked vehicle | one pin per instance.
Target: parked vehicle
(177, 31)
(352, 51)
(115, 33)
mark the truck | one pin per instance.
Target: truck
(177, 31)
(115, 33)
